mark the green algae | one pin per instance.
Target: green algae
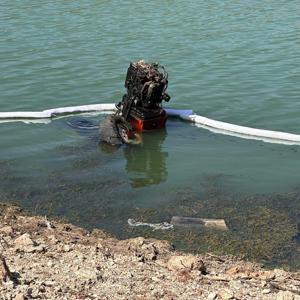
(6, 171)
(261, 227)
(260, 234)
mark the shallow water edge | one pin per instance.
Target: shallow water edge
(42, 257)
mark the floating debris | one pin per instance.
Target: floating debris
(211, 223)
(155, 226)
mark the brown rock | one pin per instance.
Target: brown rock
(26, 244)
(184, 275)
(189, 262)
(6, 230)
(140, 243)
(233, 271)
(24, 241)
(263, 275)
(143, 249)
(267, 275)
(19, 296)
(52, 239)
(280, 275)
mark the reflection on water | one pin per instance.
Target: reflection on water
(146, 163)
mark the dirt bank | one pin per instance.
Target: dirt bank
(42, 259)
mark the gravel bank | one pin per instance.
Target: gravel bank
(42, 259)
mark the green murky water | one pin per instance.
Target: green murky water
(233, 61)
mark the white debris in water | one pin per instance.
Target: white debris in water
(155, 226)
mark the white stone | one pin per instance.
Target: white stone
(212, 296)
(266, 291)
(285, 295)
(226, 294)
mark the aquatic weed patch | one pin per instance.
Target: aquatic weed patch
(259, 229)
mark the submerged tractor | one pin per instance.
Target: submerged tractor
(140, 109)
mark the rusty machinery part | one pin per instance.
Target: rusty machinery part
(140, 109)
(146, 85)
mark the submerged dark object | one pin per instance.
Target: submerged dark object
(140, 109)
(109, 131)
(195, 222)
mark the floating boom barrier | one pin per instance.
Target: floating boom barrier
(55, 112)
(45, 116)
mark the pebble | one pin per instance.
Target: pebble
(50, 263)
(266, 291)
(19, 296)
(66, 248)
(212, 296)
(155, 279)
(189, 262)
(233, 271)
(285, 295)
(226, 294)
(49, 283)
(263, 283)
(6, 230)
(236, 284)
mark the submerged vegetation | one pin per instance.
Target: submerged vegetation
(256, 230)
(261, 227)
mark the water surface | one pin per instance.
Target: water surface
(232, 61)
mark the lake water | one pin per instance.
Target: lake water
(232, 61)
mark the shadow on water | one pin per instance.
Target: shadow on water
(98, 188)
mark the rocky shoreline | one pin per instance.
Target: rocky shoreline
(42, 259)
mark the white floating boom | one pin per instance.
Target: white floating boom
(212, 125)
